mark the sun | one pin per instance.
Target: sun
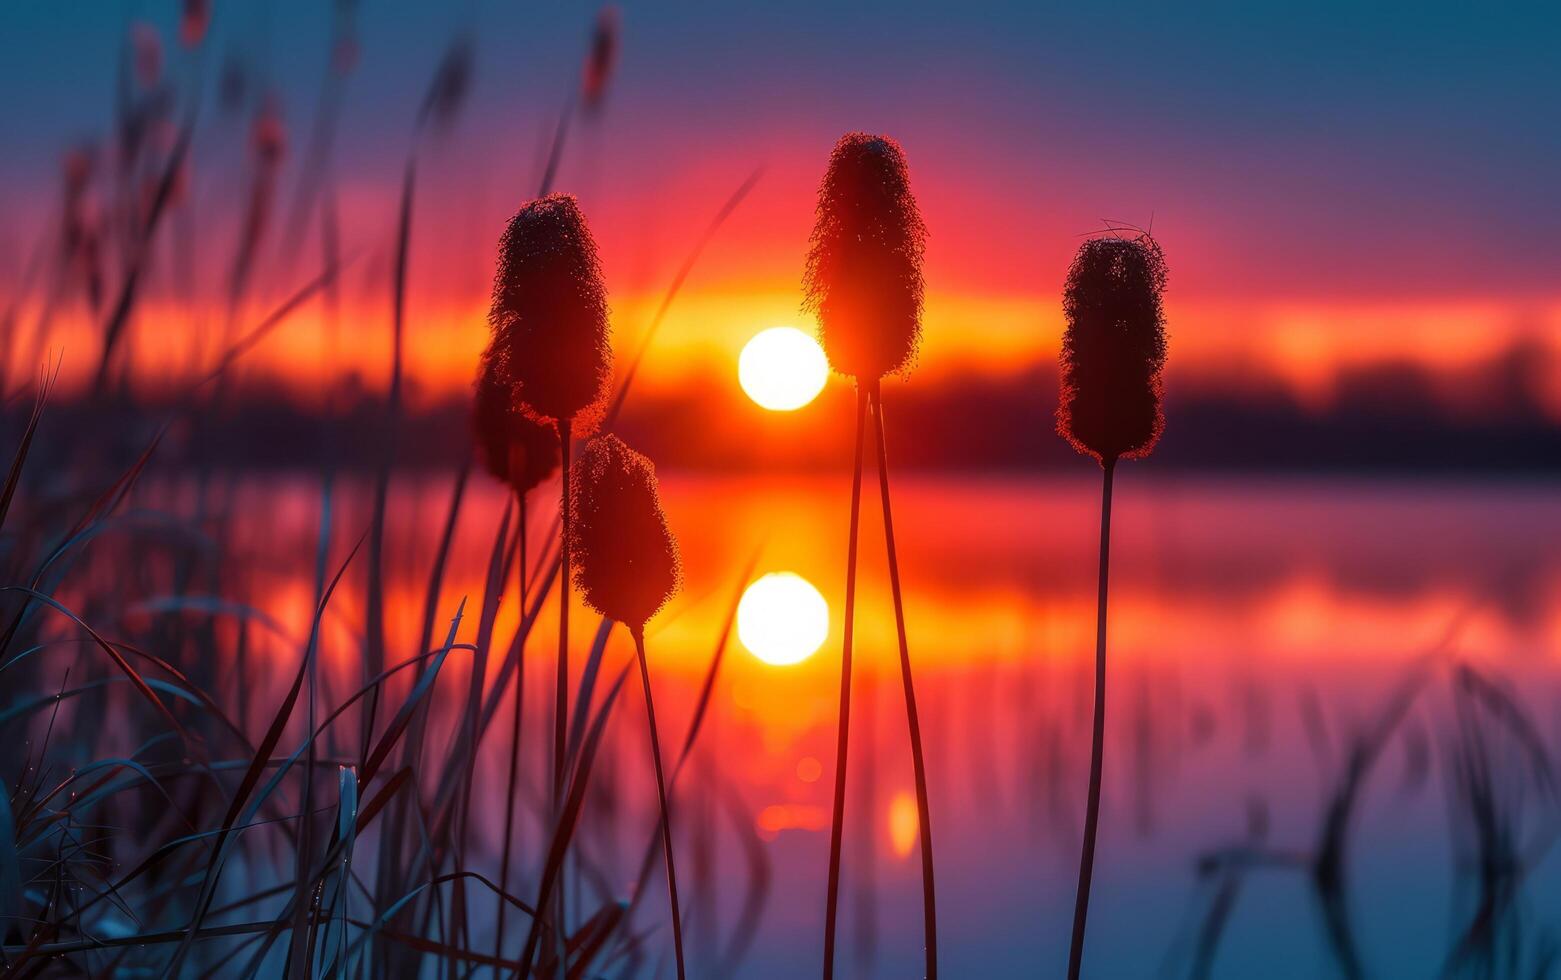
(782, 619)
(782, 369)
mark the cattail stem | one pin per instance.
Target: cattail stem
(514, 742)
(843, 734)
(913, 719)
(561, 691)
(1097, 746)
(666, 809)
(561, 698)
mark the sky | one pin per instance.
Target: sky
(1330, 181)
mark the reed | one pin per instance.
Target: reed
(520, 453)
(864, 283)
(1112, 354)
(550, 344)
(628, 569)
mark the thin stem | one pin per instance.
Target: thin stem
(561, 695)
(561, 698)
(666, 808)
(1097, 746)
(514, 743)
(929, 905)
(844, 727)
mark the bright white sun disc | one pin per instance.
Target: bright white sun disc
(782, 369)
(782, 619)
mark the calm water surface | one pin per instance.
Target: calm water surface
(1261, 631)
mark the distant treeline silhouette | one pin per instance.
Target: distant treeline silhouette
(1384, 417)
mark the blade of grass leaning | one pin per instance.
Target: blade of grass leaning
(257, 765)
(568, 818)
(515, 727)
(14, 476)
(374, 607)
(382, 750)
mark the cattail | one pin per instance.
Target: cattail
(863, 281)
(233, 84)
(80, 238)
(517, 449)
(520, 452)
(1108, 408)
(628, 570)
(1114, 348)
(601, 60)
(194, 19)
(268, 146)
(627, 558)
(863, 278)
(146, 49)
(451, 81)
(549, 320)
(549, 312)
(268, 134)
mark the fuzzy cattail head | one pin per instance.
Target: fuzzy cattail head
(549, 313)
(863, 278)
(628, 564)
(1113, 349)
(518, 450)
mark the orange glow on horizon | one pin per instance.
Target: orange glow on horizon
(1301, 347)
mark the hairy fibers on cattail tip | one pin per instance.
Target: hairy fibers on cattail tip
(518, 450)
(863, 279)
(549, 313)
(1113, 349)
(628, 564)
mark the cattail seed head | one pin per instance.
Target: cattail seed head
(549, 312)
(146, 49)
(1113, 349)
(194, 19)
(863, 279)
(628, 565)
(452, 80)
(599, 63)
(517, 449)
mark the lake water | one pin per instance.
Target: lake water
(1267, 635)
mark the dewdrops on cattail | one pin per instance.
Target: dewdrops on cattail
(517, 449)
(863, 277)
(1113, 349)
(599, 63)
(549, 312)
(628, 560)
